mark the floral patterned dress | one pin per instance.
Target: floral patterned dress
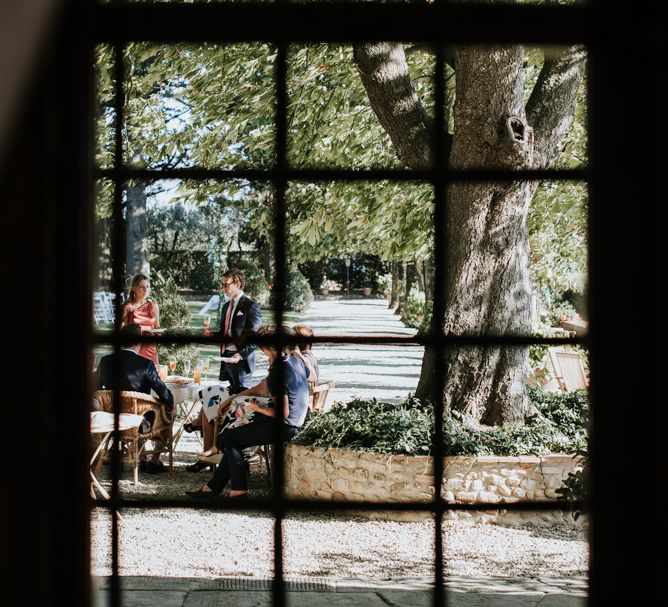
(145, 316)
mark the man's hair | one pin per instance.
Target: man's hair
(237, 276)
(131, 329)
(303, 331)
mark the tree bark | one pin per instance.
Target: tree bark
(384, 73)
(137, 261)
(394, 291)
(488, 286)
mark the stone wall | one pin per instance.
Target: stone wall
(340, 474)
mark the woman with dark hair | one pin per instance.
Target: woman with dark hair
(138, 308)
(290, 401)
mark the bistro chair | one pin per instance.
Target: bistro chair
(133, 439)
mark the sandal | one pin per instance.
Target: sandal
(198, 467)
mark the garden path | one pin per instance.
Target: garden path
(385, 372)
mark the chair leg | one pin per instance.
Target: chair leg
(266, 448)
(134, 451)
(170, 446)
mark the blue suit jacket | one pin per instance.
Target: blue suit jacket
(137, 374)
(247, 319)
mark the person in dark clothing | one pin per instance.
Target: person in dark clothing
(239, 317)
(290, 401)
(137, 374)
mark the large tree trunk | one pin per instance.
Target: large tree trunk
(137, 261)
(488, 280)
(488, 287)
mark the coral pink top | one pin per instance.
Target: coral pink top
(144, 315)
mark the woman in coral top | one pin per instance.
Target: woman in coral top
(145, 312)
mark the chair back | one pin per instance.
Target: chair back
(569, 369)
(318, 395)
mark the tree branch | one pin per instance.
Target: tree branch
(552, 103)
(384, 73)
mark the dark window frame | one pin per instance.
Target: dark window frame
(167, 23)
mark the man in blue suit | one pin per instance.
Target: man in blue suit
(138, 374)
(240, 316)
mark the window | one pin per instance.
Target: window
(279, 180)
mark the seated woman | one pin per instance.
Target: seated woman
(306, 352)
(290, 401)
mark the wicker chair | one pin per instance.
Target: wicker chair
(160, 433)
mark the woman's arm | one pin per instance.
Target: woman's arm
(257, 390)
(124, 316)
(156, 314)
(271, 411)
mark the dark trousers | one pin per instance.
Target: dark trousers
(234, 467)
(237, 375)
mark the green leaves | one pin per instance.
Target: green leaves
(559, 427)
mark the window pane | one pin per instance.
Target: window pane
(364, 248)
(199, 106)
(331, 121)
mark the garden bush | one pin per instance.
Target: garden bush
(174, 316)
(256, 285)
(413, 309)
(559, 426)
(298, 294)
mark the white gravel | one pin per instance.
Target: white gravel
(201, 543)
(206, 544)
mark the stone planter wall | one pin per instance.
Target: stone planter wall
(340, 474)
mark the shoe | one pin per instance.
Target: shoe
(202, 495)
(199, 466)
(191, 427)
(152, 468)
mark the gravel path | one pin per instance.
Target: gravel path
(201, 543)
(210, 544)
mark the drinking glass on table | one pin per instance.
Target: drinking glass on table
(205, 366)
(186, 368)
(197, 373)
(172, 364)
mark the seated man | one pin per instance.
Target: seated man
(138, 374)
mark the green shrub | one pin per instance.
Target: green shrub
(190, 269)
(256, 285)
(575, 485)
(298, 294)
(385, 284)
(413, 309)
(407, 427)
(174, 316)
